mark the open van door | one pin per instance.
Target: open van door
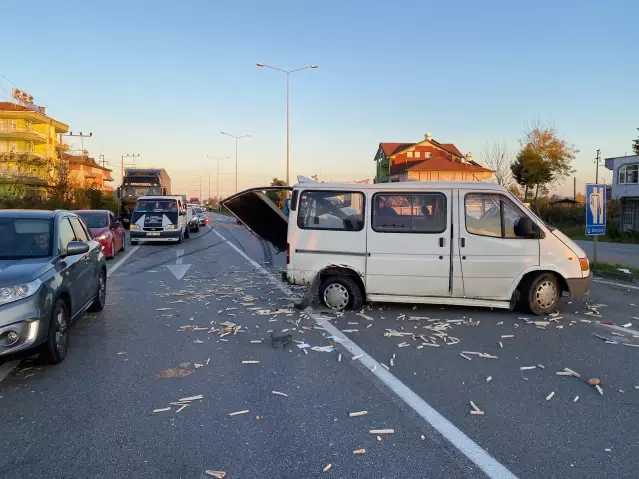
(257, 210)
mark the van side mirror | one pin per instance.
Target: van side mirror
(525, 228)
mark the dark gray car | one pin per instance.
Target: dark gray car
(51, 271)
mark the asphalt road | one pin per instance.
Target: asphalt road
(613, 253)
(92, 415)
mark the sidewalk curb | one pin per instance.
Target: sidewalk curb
(619, 276)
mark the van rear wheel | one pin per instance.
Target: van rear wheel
(341, 292)
(543, 294)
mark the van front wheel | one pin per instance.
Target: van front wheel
(341, 292)
(544, 294)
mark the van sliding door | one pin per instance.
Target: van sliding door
(409, 243)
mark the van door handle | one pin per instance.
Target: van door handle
(463, 242)
(441, 242)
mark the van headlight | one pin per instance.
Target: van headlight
(132, 226)
(170, 227)
(15, 293)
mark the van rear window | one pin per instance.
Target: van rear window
(331, 210)
(409, 213)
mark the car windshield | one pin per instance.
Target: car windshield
(198, 210)
(149, 206)
(93, 219)
(25, 238)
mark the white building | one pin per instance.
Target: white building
(625, 188)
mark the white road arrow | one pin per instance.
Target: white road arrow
(178, 269)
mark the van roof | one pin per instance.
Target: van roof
(167, 197)
(405, 185)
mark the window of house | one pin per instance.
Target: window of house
(409, 154)
(13, 124)
(417, 154)
(409, 213)
(629, 174)
(331, 210)
(3, 145)
(491, 215)
(3, 124)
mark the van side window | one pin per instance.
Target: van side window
(409, 213)
(490, 215)
(331, 210)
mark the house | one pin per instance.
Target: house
(29, 144)
(625, 188)
(565, 203)
(85, 172)
(427, 160)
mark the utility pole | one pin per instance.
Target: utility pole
(574, 188)
(103, 161)
(217, 179)
(128, 155)
(597, 159)
(82, 136)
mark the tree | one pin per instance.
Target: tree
(278, 196)
(497, 158)
(514, 189)
(635, 145)
(543, 158)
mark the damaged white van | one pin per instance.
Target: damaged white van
(470, 244)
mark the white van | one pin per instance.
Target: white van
(160, 218)
(470, 244)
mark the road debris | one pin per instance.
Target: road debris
(381, 431)
(627, 325)
(327, 467)
(505, 336)
(489, 378)
(216, 474)
(598, 388)
(339, 358)
(191, 398)
(358, 413)
(573, 373)
(355, 358)
(182, 371)
(594, 381)
(576, 399)
(359, 451)
(465, 357)
(250, 362)
(525, 368)
(184, 406)
(549, 397)
(237, 413)
(164, 409)
(277, 393)
(256, 341)
(475, 410)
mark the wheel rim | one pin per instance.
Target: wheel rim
(546, 294)
(336, 296)
(61, 332)
(102, 289)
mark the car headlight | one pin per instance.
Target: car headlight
(170, 227)
(102, 237)
(14, 293)
(132, 226)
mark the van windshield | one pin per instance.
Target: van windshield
(532, 213)
(154, 205)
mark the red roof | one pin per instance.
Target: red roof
(436, 163)
(451, 148)
(8, 106)
(392, 148)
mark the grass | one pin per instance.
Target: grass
(579, 233)
(612, 267)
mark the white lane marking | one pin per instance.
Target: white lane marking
(179, 253)
(6, 369)
(479, 456)
(612, 283)
(112, 269)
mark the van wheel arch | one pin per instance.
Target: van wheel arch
(522, 293)
(352, 281)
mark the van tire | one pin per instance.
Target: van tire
(187, 233)
(340, 292)
(543, 294)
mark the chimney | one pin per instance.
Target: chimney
(427, 136)
(469, 157)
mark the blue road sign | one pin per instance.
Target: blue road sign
(595, 210)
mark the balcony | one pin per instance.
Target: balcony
(62, 146)
(25, 134)
(29, 179)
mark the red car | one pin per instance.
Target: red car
(105, 228)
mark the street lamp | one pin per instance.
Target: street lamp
(218, 175)
(288, 112)
(236, 138)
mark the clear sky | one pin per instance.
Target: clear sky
(163, 78)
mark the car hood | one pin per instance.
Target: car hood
(19, 271)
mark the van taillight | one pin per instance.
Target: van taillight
(288, 253)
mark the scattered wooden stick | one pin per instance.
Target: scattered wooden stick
(182, 408)
(277, 393)
(599, 390)
(164, 409)
(354, 358)
(577, 375)
(237, 413)
(549, 397)
(464, 356)
(216, 474)
(381, 431)
(358, 413)
(250, 362)
(359, 451)
(327, 468)
(525, 368)
(191, 398)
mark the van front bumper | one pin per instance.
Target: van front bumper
(579, 287)
(166, 235)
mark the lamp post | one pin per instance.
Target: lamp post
(236, 138)
(288, 112)
(217, 176)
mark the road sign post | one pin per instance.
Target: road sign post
(595, 213)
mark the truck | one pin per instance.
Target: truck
(138, 182)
